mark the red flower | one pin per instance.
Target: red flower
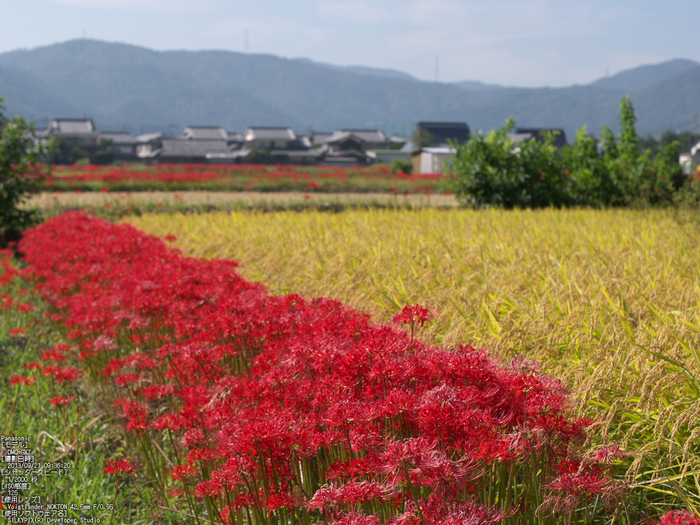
(120, 466)
(61, 401)
(22, 380)
(680, 517)
(412, 314)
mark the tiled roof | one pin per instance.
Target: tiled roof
(269, 134)
(320, 138)
(372, 136)
(204, 133)
(118, 137)
(191, 148)
(60, 125)
(149, 137)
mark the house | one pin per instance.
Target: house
(522, 134)
(364, 139)
(147, 144)
(122, 143)
(351, 147)
(269, 138)
(189, 151)
(432, 159)
(80, 133)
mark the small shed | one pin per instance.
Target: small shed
(432, 160)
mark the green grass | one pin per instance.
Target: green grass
(81, 436)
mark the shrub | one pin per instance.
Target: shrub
(401, 166)
(491, 170)
(19, 176)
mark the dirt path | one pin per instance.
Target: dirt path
(45, 200)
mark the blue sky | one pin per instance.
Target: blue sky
(510, 42)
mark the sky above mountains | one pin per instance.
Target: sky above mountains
(525, 43)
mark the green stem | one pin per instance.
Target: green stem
(114, 503)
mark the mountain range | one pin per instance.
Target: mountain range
(122, 86)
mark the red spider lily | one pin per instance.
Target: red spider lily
(17, 331)
(413, 314)
(55, 354)
(22, 380)
(62, 375)
(348, 494)
(61, 401)
(120, 466)
(680, 517)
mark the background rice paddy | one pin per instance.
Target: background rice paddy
(599, 298)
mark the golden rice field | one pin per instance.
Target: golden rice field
(609, 301)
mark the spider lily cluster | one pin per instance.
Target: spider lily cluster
(266, 409)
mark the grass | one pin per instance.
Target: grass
(605, 300)
(71, 443)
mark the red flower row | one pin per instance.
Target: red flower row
(294, 405)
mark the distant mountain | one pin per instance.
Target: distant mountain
(125, 86)
(362, 70)
(645, 76)
(473, 85)
(25, 94)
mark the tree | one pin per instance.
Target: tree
(422, 138)
(64, 153)
(401, 166)
(20, 175)
(259, 156)
(105, 155)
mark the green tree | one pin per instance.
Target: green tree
(105, 155)
(20, 175)
(64, 153)
(401, 166)
(491, 170)
(259, 156)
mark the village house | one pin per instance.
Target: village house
(147, 144)
(190, 151)
(431, 145)
(269, 138)
(80, 133)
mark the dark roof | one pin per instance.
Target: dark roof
(443, 132)
(191, 148)
(118, 137)
(536, 133)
